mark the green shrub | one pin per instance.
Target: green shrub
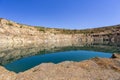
(10, 24)
(21, 26)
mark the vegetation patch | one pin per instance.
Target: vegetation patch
(10, 24)
(75, 31)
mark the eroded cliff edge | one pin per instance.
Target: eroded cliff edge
(12, 32)
(93, 69)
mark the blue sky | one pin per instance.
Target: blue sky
(71, 14)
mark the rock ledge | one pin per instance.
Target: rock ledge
(93, 69)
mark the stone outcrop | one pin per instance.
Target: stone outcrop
(11, 32)
(115, 56)
(6, 75)
(93, 69)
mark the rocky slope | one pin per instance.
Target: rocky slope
(11, 32)
(93, 69)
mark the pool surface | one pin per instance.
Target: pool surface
(26, 63)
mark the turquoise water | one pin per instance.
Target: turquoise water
(55, 57)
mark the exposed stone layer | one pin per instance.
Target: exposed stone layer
(6, 75)
(11, 32)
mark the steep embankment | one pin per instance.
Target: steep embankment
(93, 69)
(11, 32)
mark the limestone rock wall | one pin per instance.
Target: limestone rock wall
(11, 32)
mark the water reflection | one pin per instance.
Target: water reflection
(57, 57)
(13, 52)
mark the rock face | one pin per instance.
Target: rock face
(93, 69)
(11, 32)
(6, 75)
(115, 56)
